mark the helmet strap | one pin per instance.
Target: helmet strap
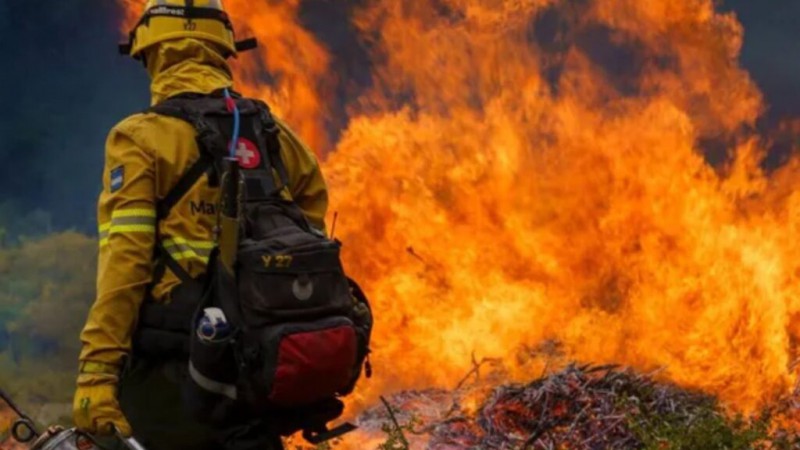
(246, 44)
(125, 48)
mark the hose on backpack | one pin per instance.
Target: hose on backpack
(232, 107)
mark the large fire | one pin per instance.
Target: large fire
(531, 170)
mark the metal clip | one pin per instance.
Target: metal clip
(318, 437)
(130, 442)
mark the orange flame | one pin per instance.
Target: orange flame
(530, 170)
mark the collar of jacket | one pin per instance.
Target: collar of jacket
(186, 65)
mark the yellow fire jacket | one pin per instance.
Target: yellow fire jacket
(146, 154)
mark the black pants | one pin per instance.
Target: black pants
(150, 397)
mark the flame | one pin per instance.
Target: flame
(131, 10)
(296, 62)
(532, 170)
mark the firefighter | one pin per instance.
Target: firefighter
(184, 46)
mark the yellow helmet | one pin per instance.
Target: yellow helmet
(165, 20)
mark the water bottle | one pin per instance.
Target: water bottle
(213, 325)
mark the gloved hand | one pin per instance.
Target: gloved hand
(95, 408)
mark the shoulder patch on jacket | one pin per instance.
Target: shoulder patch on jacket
(117, 179)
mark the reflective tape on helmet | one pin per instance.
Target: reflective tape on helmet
(128, 221)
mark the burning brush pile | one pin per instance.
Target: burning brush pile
(580, 407)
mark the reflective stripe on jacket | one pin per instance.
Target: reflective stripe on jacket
(146, 155)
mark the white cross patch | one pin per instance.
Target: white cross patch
(244, 154)
(248, 154)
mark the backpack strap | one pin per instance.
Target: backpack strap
(205, 164)
(206, 138)
(270, 130)
(271, 134)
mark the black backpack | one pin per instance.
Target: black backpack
(300, 328)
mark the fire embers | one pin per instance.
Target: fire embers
(578, 408)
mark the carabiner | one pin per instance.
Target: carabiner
(29, 433)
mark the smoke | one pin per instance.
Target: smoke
(64, 87)
(772, 51)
